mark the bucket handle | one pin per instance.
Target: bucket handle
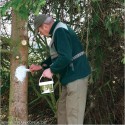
(41, 77)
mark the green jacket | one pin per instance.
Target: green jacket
(67, 45)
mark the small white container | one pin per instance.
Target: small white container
(46, 86)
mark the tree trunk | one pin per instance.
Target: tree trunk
(18, 113)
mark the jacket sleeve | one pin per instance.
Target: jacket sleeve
(63, 47)
(48, 62)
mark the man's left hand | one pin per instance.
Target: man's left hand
(47, 73)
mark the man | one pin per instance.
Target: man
(67, 59)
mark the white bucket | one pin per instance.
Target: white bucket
(46, 86)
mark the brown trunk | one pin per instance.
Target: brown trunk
(18, 112)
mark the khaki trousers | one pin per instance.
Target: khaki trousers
(71, 104)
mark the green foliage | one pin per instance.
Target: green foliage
(4, 91)
(123, 59)
(105, 40)
(95, 0)
(23, 7)
(112, 25)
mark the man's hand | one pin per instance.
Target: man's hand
(47, 73)
(34, 68)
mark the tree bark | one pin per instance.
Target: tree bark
(18, 113)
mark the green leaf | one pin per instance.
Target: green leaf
(108, 25)
(23, 7)
(95, 0)
(16, 4)
(123, 60)
(5, 8)
(95, 19)
(39, 6)
(23, 12)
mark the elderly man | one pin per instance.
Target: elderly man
(68, 59)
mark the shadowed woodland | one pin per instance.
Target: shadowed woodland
(99, 25)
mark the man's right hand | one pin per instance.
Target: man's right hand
(34, 68)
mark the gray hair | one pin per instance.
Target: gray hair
(49, 20)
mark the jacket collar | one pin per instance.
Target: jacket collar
(53, 27)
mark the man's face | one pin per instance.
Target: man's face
(44, 29)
